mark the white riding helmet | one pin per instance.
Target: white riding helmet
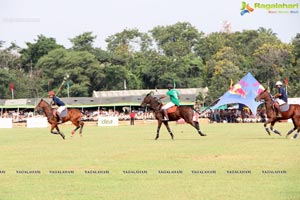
(278, 83)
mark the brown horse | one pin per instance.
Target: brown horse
(74, 115)
(293, 112)
(184, 112)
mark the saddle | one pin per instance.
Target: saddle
(284, 107)
(63, 113)
(172, 109)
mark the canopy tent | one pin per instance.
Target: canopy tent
(243, 92)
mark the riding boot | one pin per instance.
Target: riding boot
(166, 117)
(277, 110)
(59, 120)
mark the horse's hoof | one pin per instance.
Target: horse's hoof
(295, 136)
(202, 134)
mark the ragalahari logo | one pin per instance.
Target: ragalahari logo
(246, 8)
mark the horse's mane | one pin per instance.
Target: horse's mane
(45, 102)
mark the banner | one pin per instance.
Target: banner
(5, 122)
(40, 122)
(108, 121)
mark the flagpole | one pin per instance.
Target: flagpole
(286, 85)
(68, 88)
(125, 87)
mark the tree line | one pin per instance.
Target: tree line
(177, 53)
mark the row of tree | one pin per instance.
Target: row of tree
(177, 53)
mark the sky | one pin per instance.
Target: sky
(22, 21)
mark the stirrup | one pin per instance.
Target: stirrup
(165, 120)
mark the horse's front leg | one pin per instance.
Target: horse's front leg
(169, 130)
(274, 130)
(54, 126)
(158, 128)
(266, 127)
(57, 132)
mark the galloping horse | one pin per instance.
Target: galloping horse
(184, 112)
(293, 112)
(74, 115)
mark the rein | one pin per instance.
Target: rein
(153, 101)
(269, 102)
(47, 109)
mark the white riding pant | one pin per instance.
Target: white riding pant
(280, 101)
(60, 109)
(168, 105)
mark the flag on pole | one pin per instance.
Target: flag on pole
(11, 88)
(231, 83)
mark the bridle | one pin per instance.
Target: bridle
(153, 101)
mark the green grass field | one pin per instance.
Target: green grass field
(127, 163)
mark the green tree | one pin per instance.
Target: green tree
(10, 58)
(114, 77)
(210, 45)
(127, 42)
(176, 40)
(220, 70)
(83, 42)
(296, 48)
(81, 66)
(272, 62)
(34, 51)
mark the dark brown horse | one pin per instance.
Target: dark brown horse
(184, 112)
(293, 112)
(74, 115)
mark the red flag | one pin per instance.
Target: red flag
(286, 81)
(11, 86)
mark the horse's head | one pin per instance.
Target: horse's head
(265, 95)
(147, 100)
(41, 106)
(152, 101)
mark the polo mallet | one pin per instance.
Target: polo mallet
(59, 89)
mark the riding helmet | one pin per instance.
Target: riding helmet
(51, 93)
(278, 83)
(169, 86)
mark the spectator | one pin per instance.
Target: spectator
(132, 115)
